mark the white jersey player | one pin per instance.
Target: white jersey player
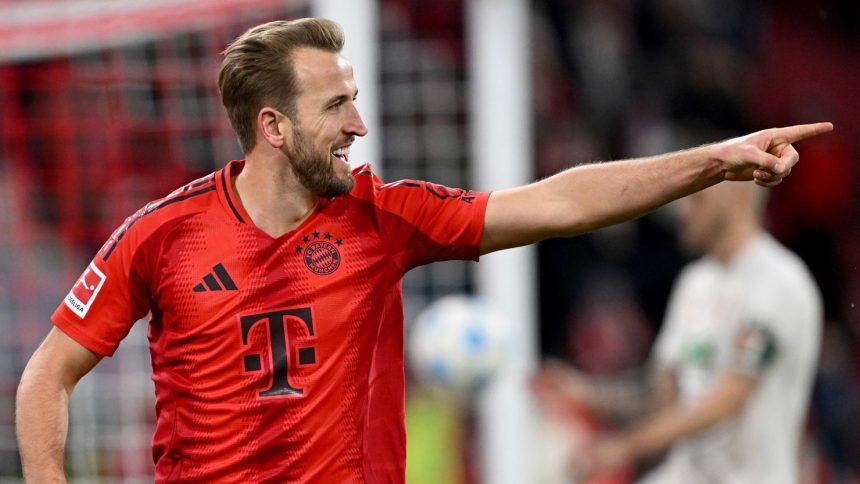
(757, 316)
(735, 358)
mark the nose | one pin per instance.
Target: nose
(356, 125)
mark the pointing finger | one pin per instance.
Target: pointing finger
(792, 134)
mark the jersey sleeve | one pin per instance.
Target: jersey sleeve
(757, 337)
(755, 347)
(425, 222)
(108, 297)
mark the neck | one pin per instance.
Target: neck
(733, 240)
(275, 200)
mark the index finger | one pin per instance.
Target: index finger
(793, 134)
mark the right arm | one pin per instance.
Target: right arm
(614, 399)
(592, 196)
(42, 408)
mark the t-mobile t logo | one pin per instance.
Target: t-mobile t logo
(278, 323)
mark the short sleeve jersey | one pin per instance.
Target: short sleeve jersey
(274, 359)
(761, 315)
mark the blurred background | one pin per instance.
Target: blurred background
(105, 105)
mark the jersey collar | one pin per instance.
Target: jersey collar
(226, 193)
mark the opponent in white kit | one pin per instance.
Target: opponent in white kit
(733, 363)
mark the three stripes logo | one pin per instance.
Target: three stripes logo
(211, 281)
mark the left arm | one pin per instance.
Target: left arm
(725, 400)
(597, 195)
(623, 398)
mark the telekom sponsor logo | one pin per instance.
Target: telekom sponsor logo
(84, 292)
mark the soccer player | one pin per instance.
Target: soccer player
(733, 364)
(273, 284)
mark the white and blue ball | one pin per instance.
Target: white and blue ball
(458, 343)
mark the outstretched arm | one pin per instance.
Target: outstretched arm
(42, 407)
(592, 196)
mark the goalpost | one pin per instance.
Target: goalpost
(502, 156)
(104, 105)
(119, 98)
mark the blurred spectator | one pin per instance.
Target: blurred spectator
(708, 67)
(733, 364)
(608, 334)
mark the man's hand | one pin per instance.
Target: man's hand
(601, 456)
(766, 156)
(558, 387)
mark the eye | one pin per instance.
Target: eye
(336, 103)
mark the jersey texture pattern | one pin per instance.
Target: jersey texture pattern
(274, 359)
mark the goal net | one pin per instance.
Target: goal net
(106, 105)
(103, 106)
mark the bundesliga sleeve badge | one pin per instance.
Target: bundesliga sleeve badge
(84, 292)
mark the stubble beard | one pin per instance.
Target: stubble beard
(315, 171)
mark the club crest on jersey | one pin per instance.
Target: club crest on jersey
(320, 252)
(84, 292)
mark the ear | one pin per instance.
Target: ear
(273, 126)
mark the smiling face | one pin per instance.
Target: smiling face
(325, 122)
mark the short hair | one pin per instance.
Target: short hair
(258, 70)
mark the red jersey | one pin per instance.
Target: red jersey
(274, 359)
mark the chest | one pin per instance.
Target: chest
(323, 277)
(708, 317)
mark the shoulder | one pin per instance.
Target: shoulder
(777, 281)
(366, 181)
(772, 265)
(370, 187)
(187, 200)
(703, 271)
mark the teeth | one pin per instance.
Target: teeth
(341, 151)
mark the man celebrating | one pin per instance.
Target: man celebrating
(274, 284)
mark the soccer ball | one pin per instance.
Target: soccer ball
(458, 343)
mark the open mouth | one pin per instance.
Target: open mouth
(342, 154)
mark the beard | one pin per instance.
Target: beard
(315, 171)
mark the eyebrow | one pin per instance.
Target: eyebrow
(341, 98)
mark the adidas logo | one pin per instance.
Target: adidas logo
(210, 283)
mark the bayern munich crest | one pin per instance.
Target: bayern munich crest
(320, 252)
